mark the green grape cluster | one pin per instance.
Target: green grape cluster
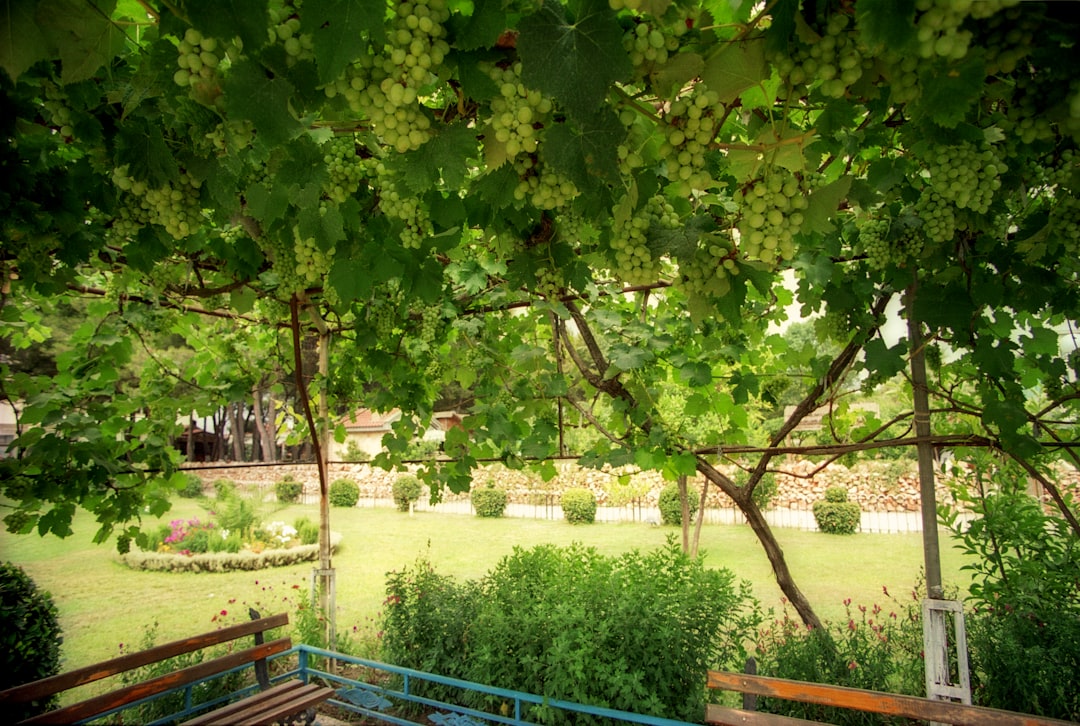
(380, 316)
(833, 326)
(541, 186)
(384, 86)
(175, 207)
(231, 135)
(1008, 38)
(884, 246)
(688, 127)
(312, 263)
(708, 271)
(900, 71)
(771, 215)
(549, 282)
(938, 216)
(649, 41)
(402, 206)
(518, 114)
(198, 58)
(286, 30)
(59, 114)
(617, 5)
(280, 249)
(835, 59)
(634, 262)
(939, 24)
(344, 167)
(965, 175)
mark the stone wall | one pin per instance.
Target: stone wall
(881, 486)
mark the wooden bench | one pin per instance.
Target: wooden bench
(272, 704)
(912, 707)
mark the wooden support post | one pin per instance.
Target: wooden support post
(940, 681)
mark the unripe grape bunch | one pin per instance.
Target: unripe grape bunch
(771, 215)
(834, 59)
(689, 126)
(174, 206)
(965, 175)
(518, 114)
(198, 58)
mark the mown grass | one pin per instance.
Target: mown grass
(103, 603)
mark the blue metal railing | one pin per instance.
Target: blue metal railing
(392, 694)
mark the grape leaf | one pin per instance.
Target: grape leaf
(822, 206)
(340, 30)
(734, 68)
(266, 203)
(573, 62)
(228, 19)
(141, 146)
(887, 23)
(584, 152)
(82, 33)
(449, 152)
(257, 96)
(350, 278)
(482, 28)
(22, 44)
(949, 90)
(675, 74)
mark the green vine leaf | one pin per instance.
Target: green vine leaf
(22, 43)
(573, 62)
(254, 94)
(736, 67)
(340, 32)
(83, 34)
(228, 19)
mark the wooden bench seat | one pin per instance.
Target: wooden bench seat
(273, 704)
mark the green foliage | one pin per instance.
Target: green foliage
(238, 514)
(421, 450)
(578, 505)
(354, 454)
(288, 490)
(30, 634)
(193, 488)
(224, 489)
(1025, 565)
(306, 530)
(344, 493)
(835, 514)
(406, 490)
(671, 505)
(488, 501)
(877, 648)
(765, 491)
(636, 632)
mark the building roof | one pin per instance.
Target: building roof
(367, 420)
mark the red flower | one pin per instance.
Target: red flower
(224, 613)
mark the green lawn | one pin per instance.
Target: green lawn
(102, 603)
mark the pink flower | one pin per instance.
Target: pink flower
(885, 590)
(224, 613)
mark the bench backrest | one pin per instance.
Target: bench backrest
(47, 687)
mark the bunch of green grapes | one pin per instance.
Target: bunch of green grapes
(59, 114)
(900, 70)
(312, 263)
(938, 216)
(771, 215)
(402, 206)
(549, 282)
(835, 60)
(634, 262)
(231, 135)
(280, 250)
(198, 58)
(649, 40)
(344, 166)
(965, 175)
(938, 24)
(543, 187)
(1008, 38)
(833, 326)
(518, 114)
(708, 271)
(688, 127)
(383, 86)
(175, 207)
(885, 246)
(617, 5)
(286, 30)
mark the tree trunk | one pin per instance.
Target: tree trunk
(684, 514)
(237, 432)
(267, 446)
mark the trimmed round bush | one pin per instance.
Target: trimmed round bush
(192, 488)
(306, 530)
(288, 490)
(671, 507)
(488, 501)
(406, 490)
(344, 493)
(29, 637)
(835, 514)
(579, 506)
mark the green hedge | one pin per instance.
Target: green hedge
(835, 514)
(488, 501)
(406, 490)
(578, 505)
(344, 493)
(226, 561)
(288, 490)
(671, 506)
(30, 637)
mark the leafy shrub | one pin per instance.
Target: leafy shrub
(224, 488)
(579, 505)
(835, 514)
(306, 530)
(488, 501)
(354, 454)
(535, 618)
(765, 491)
(30, 637)
(671, 506)
(225, 541)
(288, 490)
(420, 450)
(344, 493)
(192, 488)
(1024, 636)
(405, 490)
(238, 514)
(877, 649)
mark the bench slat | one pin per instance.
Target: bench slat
(281, 701)
(105, 702)
(41, 689)
(724, 716)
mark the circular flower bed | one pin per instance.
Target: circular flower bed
(196, 546)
